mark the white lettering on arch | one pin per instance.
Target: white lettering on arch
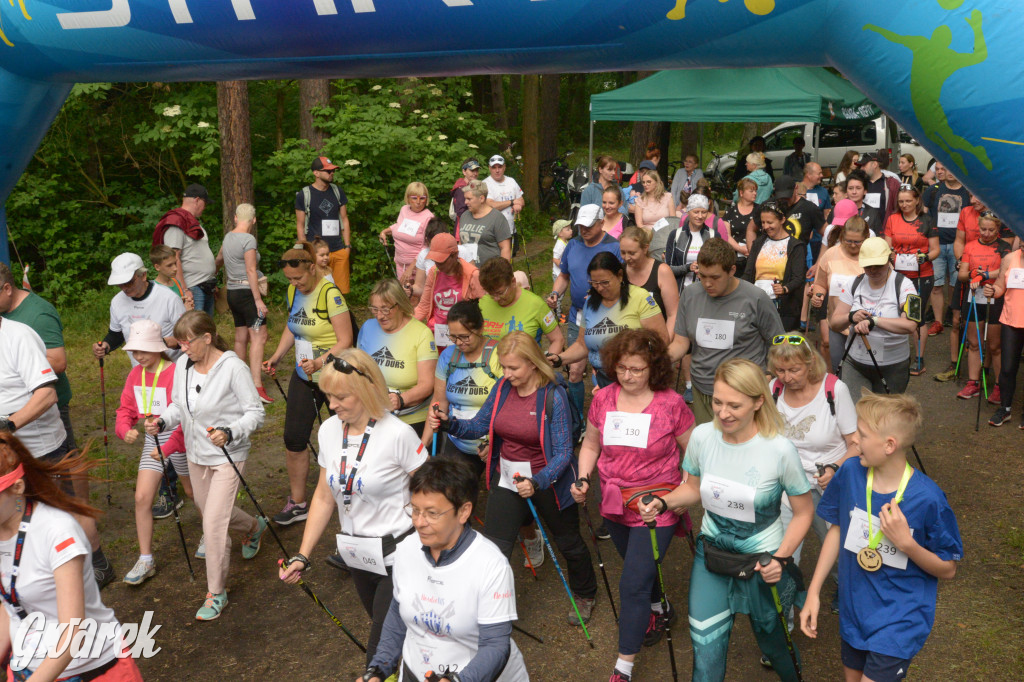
(118, 15)
(179, 10)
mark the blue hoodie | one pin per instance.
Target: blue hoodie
(765, 186)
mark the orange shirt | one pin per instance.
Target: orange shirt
(912, 238)
(1013, 300)
(985, 256)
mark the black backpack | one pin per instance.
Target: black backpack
(320, 309)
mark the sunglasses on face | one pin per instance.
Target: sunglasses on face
(343, 366)
(292, 262)
(791, 339)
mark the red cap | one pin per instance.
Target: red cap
(323, 163)
(442, 246)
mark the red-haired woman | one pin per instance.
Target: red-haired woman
(43, 570)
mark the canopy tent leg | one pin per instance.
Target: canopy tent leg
(590, 152)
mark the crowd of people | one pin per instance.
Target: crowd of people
(796, 315)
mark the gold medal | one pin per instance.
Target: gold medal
(869, 559)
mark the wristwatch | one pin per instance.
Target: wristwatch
(7, 424)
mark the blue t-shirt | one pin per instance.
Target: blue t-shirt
(575, 261)
(466, 388)
(769, 466)
(600, 325)
(890, 611)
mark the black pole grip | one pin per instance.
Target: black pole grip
(647, 499)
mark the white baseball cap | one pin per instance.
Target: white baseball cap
(123, 268)
(496, 160)
(589, 215)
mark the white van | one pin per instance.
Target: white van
(880, 133)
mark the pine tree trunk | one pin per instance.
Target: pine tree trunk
(481, 89)
(312, 93)
(279, 120)
(547, 143)
(235, 148)
(690, 143)
(498, 103)
(531, 162)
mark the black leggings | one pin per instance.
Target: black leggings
(375, 592)
(1012, 339)
(305, 400)
(507, 512)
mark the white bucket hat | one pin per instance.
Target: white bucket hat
(146, 335)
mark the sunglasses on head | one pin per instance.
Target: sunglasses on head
(292, 262)
(791, 339)
(345, 367)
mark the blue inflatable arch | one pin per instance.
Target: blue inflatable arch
(949, 71)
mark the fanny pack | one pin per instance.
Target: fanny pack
(631, 497)
(208, 286)
(722, 562)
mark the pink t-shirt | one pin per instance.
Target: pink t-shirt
(617, 230)
(447, 292)
(622, 466)
(407, 232)
(654, 211)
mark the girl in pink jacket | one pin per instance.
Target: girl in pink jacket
(147, 392)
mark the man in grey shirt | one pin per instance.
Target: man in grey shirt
(180, 229)
(723, 318)
(483, 229)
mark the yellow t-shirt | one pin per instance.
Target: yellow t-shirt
(398, 355)
(309, 319)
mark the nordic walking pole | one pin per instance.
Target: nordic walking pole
(651, 525)
(174, 507)
(285, 396)
(533, 510)
(849, 345)
(885, 385)
(433, 450)
(981, 355)
(764, 561)
(959, 355)
(526, 257)
(600, 559)
(270, 527)
(106, 446)
(391, 261)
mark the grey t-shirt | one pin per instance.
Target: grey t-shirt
(233, 250)
(737, 325)
(197, 260)
(486, 232)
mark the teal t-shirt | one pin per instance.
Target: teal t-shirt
(39, 314)
(466, 388)
(732, 474)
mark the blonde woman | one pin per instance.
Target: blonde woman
(407, 232)
(366, 458)
(655, 204)
(526, 418)
(756, 171)
(739, 465)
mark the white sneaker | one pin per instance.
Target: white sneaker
(141, 572)
(201, 550)
(534, 551)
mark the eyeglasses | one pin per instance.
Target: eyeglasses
(460, 338)
(503, 293)
(791, 339)
(384, 310)
(345, 367)
(429, 515)
(292, 262)
(853, 242)
(188, 342)
(600, 284)
(416, 196)
(631, 371)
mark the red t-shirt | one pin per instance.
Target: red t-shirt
(516, 425)
(912, 237)
(985, 256)
(968, 224)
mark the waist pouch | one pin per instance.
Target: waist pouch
(208, 286)
(631, 497)
(731, 564)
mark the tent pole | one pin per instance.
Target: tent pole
(817, 141)
(590, 153)
(701, 145)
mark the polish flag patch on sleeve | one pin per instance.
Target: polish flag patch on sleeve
(419, 449)
(61, 546)
(48, 370)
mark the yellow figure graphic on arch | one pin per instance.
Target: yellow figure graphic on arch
(758, 7)
(24, 11)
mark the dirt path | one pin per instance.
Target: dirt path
(271, 631)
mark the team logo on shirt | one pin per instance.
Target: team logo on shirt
(300, 318)
(650, 300)
(325, 207)
(337, 300)
(605, 328)
(468, 387)
(433, 614)
(716, 490)
(385, 359)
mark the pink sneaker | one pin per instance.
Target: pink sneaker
(994, 397)
(971, 390)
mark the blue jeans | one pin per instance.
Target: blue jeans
(945, 264)
(203, 301)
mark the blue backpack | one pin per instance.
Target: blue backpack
(576, 419)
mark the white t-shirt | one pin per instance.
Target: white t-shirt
(817, 435)
(23, 369)
(556, 256)
(506, 190)
(888, 348)
(381, 488)
(696, 241)
(422, 262)
(444, 607)
(54, 538)
(160, 305)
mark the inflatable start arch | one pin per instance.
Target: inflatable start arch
(947, 70)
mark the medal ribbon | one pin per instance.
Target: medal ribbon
(873, 537)
(147, 405)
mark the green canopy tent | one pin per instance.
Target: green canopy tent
(727, 95)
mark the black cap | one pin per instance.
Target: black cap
(867, 157)
(197, 191)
